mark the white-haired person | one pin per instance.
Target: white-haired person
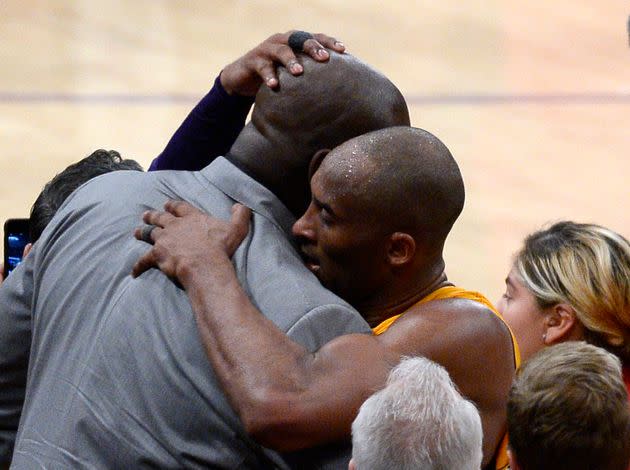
(568, 410)
(571, 281)
(418, 421)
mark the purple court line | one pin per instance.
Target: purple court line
(479, 99)
(516, 99)
(97, 98)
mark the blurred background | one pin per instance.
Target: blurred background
(532, 98)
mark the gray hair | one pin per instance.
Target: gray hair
(418, 421)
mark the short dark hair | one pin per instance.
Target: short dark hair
(568, 410)
(57, 190)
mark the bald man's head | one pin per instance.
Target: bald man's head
(382, 206)
(405, 179)
(325, 106)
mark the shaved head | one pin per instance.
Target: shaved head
(325, 106)
(382, 207)
(403, 178)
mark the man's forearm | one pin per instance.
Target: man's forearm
(257, 364)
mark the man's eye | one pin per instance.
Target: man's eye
(325, 217)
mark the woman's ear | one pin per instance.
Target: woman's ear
(401, 249)
(316, 160)
(561, 324)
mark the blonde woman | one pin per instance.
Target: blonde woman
(571, 282)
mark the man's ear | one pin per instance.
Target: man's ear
(351, 465)
(316, 160)
(561, 324)
(401, 249)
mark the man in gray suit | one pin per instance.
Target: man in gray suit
(115, 373)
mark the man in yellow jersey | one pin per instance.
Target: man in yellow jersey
(382, 207)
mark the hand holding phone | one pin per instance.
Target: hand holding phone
(16, 237)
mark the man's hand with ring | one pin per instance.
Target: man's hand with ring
(186, 240)
(244, 76)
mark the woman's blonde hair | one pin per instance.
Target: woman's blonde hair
(588, 267)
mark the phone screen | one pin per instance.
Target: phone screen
(15, 239)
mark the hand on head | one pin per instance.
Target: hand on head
(183, 237)
(245, 75)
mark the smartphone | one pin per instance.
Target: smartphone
(15, 239)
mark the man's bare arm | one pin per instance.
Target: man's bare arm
(288, 398)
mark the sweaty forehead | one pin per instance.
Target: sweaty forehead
(349, 161)
(346, 170)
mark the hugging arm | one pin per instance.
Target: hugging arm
(289, 398)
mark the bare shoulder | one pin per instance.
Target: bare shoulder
(446, 322)
(464, 336)
(472, 343)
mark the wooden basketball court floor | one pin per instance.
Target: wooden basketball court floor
(533, 98)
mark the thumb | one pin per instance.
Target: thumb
(239, 221)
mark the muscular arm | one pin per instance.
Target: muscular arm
(287, 398)
(290, 399)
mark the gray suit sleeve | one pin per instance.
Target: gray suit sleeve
(324, 323)
(16, 294)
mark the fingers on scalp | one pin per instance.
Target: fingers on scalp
(268, 74)
(330, 42)
(285, 55)
(315, 49)
(263, 65)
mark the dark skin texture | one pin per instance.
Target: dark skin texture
(245, 75)
(288, 398)
(290, 126)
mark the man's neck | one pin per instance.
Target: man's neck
(403, 296)
(260, 159)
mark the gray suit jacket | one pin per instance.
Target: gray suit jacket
(106, 371)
